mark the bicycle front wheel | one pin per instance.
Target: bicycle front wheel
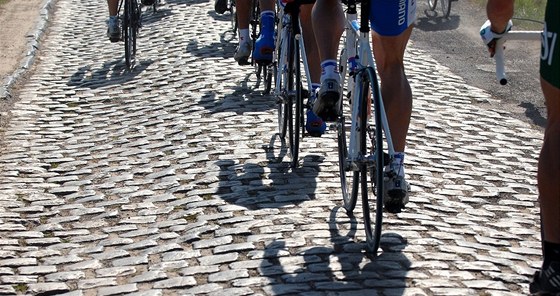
(432, 4)
(349, 177)
(446, 8)
(371, 145)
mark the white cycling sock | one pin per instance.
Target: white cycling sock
(398, 163)
(244, 36)
(329, 70)
(270, 12)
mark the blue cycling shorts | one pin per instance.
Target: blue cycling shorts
(550, 49)
(392, 17)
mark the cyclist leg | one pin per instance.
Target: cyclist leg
(314, 124)
(264, 46)
(328, 25)
(548, 176)
(392, 24)
(113, 26)
(395, 89)
(311, 50)
(243, 51)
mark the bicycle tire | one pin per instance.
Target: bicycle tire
(280, 84)
(298, 112)
(432, 4)
(130, 28)
(446, 8)
(349, 178)
(369, 85)
(268, 79)
(233, 18)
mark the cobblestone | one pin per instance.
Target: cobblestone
(168, 180)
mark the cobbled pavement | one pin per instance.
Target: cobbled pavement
(170, 181)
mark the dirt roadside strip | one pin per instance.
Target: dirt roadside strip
(23, 23)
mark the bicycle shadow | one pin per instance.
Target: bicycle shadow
(111, 73)
(436, 22)
(341, 267)
(270, 184)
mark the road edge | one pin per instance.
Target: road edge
(32, 46)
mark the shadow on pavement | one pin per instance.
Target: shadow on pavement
(150, 17)
(532, 112)
(339, 267)
(188, 2)
(223, 48)
(435, 22)
(246, 97)
(271, 184)
(110, 73)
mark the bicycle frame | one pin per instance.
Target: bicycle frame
(285, 28)
(358, 50)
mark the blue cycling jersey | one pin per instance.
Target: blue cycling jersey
(392, 17)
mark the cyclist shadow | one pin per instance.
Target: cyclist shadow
(150, 17)
(188, 2)
(269, 184)
(215, 49)
(434, 21)
(110, 73)
(246, 97)
(341, 267)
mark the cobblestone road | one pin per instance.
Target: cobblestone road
(169, 181)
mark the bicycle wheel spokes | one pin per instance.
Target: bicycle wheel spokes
(371, 145)
(283, 107)
(349, 177)
(130, 28)
(298, 103)
(446, 7)
(432, 4)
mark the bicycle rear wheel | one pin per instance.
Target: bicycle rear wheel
(432, 4)
(371, 145)
(446, 8)
(297, 118)
(268, 72)
(233, 17)
(130, 28)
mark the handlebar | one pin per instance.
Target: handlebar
(499, 53)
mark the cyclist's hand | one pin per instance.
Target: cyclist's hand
(489, 37)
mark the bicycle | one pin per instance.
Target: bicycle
(499, 53)
(262, 70)
(288, 87)
(445, 6)
(131, 20)
(233, 13)
(362, 151)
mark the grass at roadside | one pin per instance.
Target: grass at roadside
(531, 10)
(525, 11)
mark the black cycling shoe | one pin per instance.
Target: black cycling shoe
(326, 105)
(547, 281)
(220, 6)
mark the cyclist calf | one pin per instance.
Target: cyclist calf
(113, 25)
